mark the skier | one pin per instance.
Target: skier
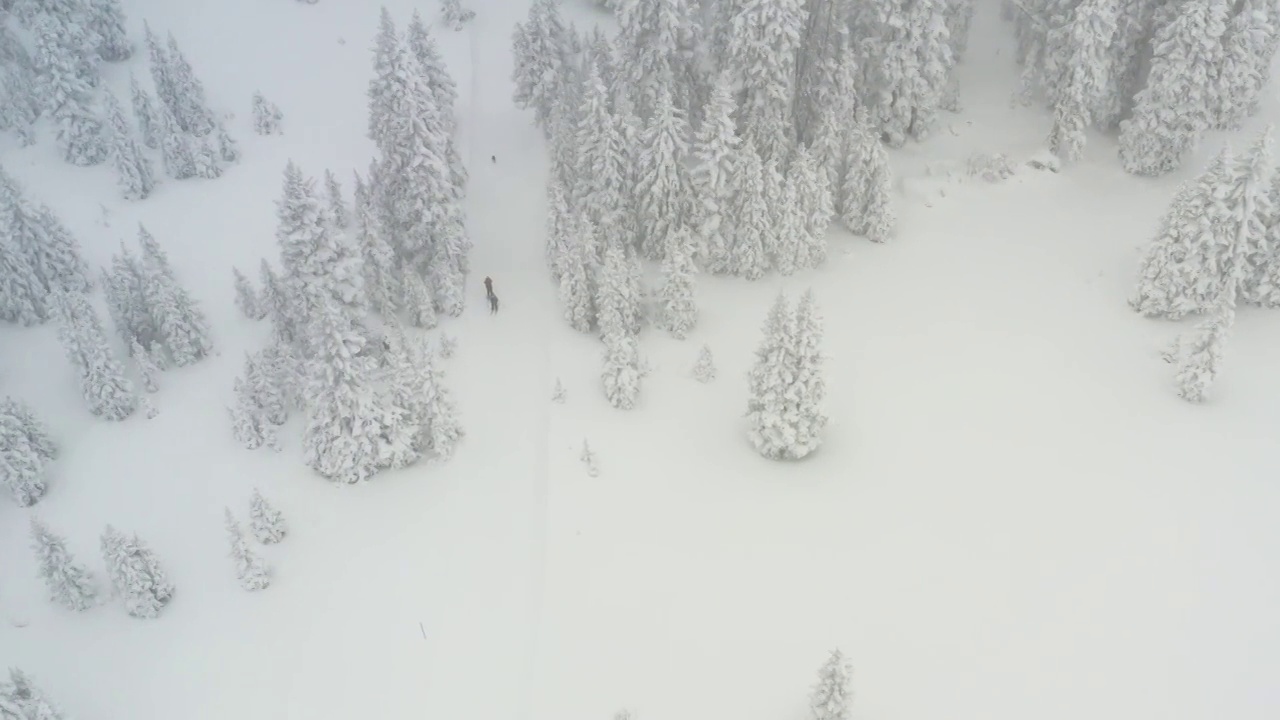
(488, 291)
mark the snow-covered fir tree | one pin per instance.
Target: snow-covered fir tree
(247, 297)
(266, 377)
(251, 571)
(25, 451)
(67, 94)
(265, 521)
(266, 116)
(914, 70)
(136, 574)
(181, 325)
(603, 157)
(789, 227)
(133, 169)
(577, 271)
(248, 425)
(21, 700)
(786, 385)
(337, 204)
(832, 694)
(679, 312)
(539, 48)
(277, 300)
(753, 222)
(558, 394)
(763, 44)
(106, 390)
(1249, 48)
(588, 458)
(560, 227)
(47, 246)
(422, 45)
(704, 370)
(176, 152)
(70, 584)
(186, 93)
(655, 51)
(1174, 108)
(621, 374)
(1200, 357)
(160, 66)
(814, 208)
(22, 294)
(454, 14)
(426, 408)
(417, 299)
(714, 149)
(864, 195)
(228, 149)
(144, 111)
(21, 102)
(205, 160)
(148, 370)
(108, 24)
(1083, 79)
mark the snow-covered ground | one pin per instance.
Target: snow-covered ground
(1012, 515)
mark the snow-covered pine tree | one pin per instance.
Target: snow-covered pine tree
(560, 227)
(135, 573)
(277, 301)
(148, 370)
(266, 116)
(1125, 58)
(914, 70)
(655, 43)
(337, 204)
(22, 421)
(765, 38)
(248, 426)
(558, 394)
(22, 294)
(679, 312)
(1083, 79)
(539, 47)
(205, 159)
(145, 112)
(809, 389)
(161, 68)
(832, 695)
(714, 149)
(251, 571)
(381, 97)
(267, 384)
(423, 47)
(454, 15)
(829, 149)
(601, 154)
(622, 353)
(789, 227)
(127, 302)
(247, 297)
(22, 456)
(577, 270)
(22, 104)
(815, 208)
(588, 458)
(442, 429)
(1201, 356)
(133, 169)
(69, 583)
(187, 100)
(21, 700)
(49, 248)
(381, 280)
(704, 370)
(864, 195)
(176, 152)
(1249, 48)
(417, 298)
(67, 95)
(182, 327)
(341, 438)
(265, 521)
(107, 391)
(752, 220)
(769, 383)
(107, 17)
(1174, 108)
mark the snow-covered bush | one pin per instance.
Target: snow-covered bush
(266, 116)
(454, 15)
(704, 370)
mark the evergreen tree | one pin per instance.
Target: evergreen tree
(182, 327)
(454, 15)
(47, 246)
(108, 24)
(107, 391)
(655, 43)
(144, 110)
(162, 73)
(380, 278)
(205, 160)
(814, 206)
(661, 185)
(248, 424)
(769, 382)
(266, 522)
(337, 205)
(247, 298)
(577, 291)
(1173, 110)
(704, 370)
(276, 299)
(1249, 48)
(228, 150)
(560, 227)
(864, 197)
(21, 102)
(266, 116)
(176, 152)
(679, 312)
(147, 367)
(1084, 76)
(25, 450)
(832, 695)
(70, 584)
(22, 294)
(21, 700)
(67, 95)
(441, 428)
(133, 169)
(422, 46)
(418, 300)
(807, 418)
(135, 573)
(765, 39)
(914, 70)
(602, 155)
(622, 355)
(382, 97)
(26, 427)
(265, 376)
(1201, 358)
(539, 47)
(715, 146)
(753, 223)
(251, 571)
(187, 99)
(557, 393)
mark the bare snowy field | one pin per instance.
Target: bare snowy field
(1013, 516)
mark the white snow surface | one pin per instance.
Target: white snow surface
(1012, 514)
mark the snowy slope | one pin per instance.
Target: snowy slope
(1013, 516)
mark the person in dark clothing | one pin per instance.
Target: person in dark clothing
(493, 158)
(488, 291)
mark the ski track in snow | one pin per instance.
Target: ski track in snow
(1012, 515)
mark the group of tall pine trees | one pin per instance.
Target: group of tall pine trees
(371, 399)
(1160, 72)
(60, 79)
(1218, 246)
